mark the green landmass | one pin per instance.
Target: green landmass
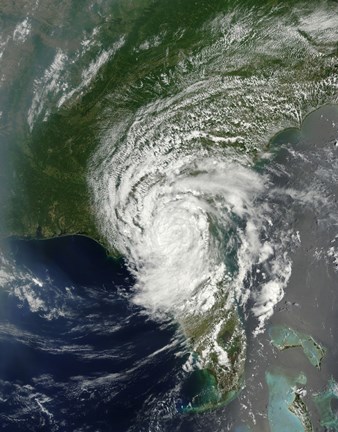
(218, 341)
(48, 190)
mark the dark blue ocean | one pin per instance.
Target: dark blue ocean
(84, 357)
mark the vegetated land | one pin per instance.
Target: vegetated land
(45, 178)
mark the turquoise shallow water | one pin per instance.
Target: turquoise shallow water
(281, 396)
(181, 130)
(324, 401)
(284, 338)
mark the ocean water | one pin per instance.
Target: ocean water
(76, 355)
(205, 136)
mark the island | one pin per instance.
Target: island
(287, 410)
(283, 337)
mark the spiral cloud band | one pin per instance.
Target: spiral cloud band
(188, 220)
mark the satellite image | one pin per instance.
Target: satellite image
(169, 215)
